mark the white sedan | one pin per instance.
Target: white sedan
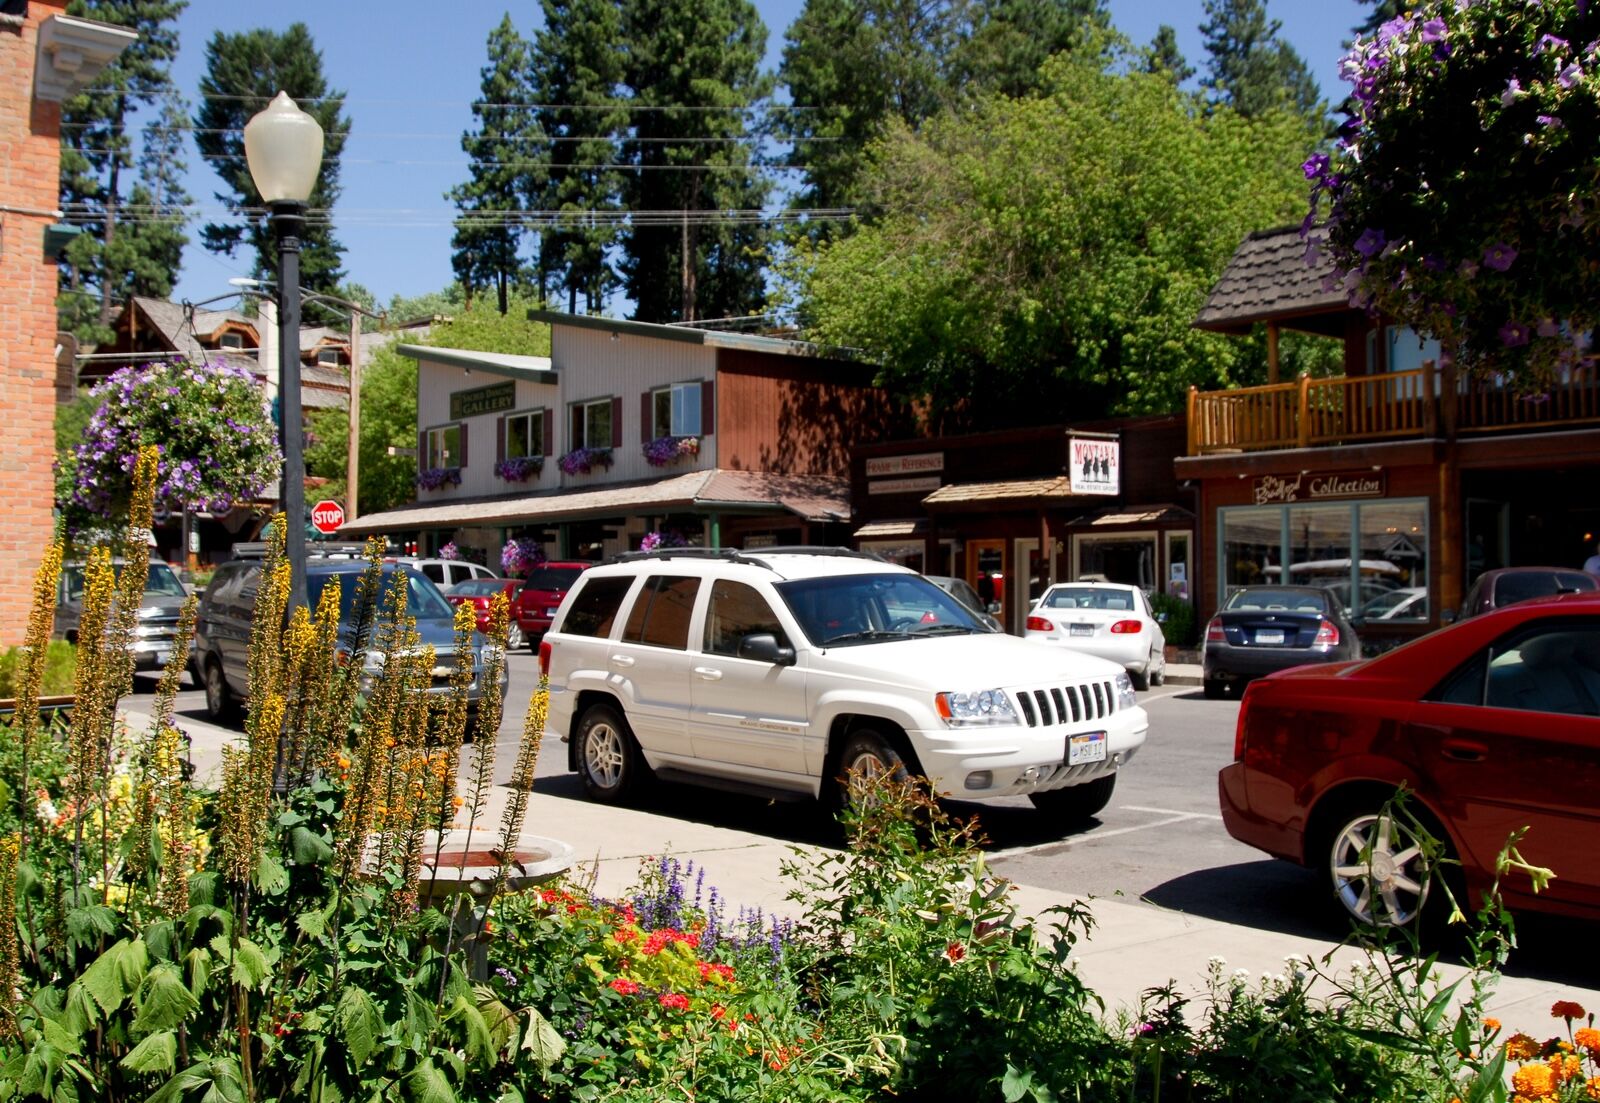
(1105, 619)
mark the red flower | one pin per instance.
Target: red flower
(1566, 1009)
(624, 986)
(955, 952)
(718, 1011)
(655, 943)
(674, 1001)
(624, 935)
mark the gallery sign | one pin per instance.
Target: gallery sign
(917, 463)
(483, 400)
(919, 485)
(1095, 465)
(1322, 487)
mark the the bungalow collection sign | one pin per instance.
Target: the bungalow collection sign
(1095, 465)
(483, 400)
(1321, 487)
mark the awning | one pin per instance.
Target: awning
(1134, 515)
(1057, 487)
(821, 498)
(876, 529)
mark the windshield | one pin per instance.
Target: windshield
(552, 578)
(1298, 601)
(478, 587)
(160, 579)
(1088, 597)
(849, 609)
(423, 600)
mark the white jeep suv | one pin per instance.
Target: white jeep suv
(779, 671)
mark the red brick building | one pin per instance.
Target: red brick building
(45, 56)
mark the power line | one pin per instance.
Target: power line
(753, 107)
(618, 167)
(559, 139)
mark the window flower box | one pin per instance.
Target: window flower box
(519, 469)
(435, 478)
(669, 449)
(581, 461)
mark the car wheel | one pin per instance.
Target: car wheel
(867, 757)
(219, 701)
(1140, 679)
(514, 637)
(1215, 689)
(1157, 668)
(609, 760)
(1379, 871)
(1078, 802)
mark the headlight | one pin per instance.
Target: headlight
(1126, 698)
(984, 706)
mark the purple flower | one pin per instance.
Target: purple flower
(1547, 328)
(1316, 166)
(1513, 90)
(1570, 75)
(1552, 122)
(1513, 335)
(1499, 256)
(1434, 30)
(1370, 243)
(1549, 42)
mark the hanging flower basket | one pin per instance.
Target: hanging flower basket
(520, 469)
(665, 450)
(581, 461)
(450, 551)
(521, 555)
(668, 539)
(433, 478)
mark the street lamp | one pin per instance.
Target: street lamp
(283, 147)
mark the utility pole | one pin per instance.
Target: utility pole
(353, 456)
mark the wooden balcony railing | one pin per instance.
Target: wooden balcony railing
(1394, 405)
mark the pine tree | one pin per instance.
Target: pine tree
(694, 75)
(577, 73)
(97, 151)
(1009, 40)
(1163, 56)
(244, 72)
(1250, 68)
(502, 146)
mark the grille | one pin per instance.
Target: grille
(1074, 704)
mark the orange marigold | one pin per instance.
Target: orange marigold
(1520, 1047)
(1592, 1088)
(1491, 1026)
(1534, 1081)
(1566, 1009)
(1588, 1038)
(1565, 1068)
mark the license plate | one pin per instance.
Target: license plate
(1089, 747)
(552, 611)
(1269, 635)
(162, 657)
(1080, 629)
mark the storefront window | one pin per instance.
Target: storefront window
(1252, 547)
(1319, 548)
(1178, 564)
(898, 551)
(1394, 562)
(1129, 559)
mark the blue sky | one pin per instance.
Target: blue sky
(410, 69)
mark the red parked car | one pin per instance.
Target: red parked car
(541, 596)
(480, 591)
(1493, 725)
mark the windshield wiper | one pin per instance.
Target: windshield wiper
(932, 629)
(866, 634)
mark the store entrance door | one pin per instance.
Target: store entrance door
(986, 573)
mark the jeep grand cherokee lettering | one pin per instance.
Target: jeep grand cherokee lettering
(783, 670)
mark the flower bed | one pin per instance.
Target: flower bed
(519, 469)
(664, 450)
(434, 478)
(581, 461)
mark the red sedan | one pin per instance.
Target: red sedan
(1493, 724)
(480, 591)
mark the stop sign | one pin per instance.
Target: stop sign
(326, 516)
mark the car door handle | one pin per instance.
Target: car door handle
(622, 660)
(709, 673)
(1462, 750)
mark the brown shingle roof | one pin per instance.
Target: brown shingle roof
(1268, 278)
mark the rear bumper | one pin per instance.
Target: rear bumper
(1245, 825)
(1226, 663)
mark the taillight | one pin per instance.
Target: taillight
(1327, 635)
(1039, 624)
(1214, 632)
(544, 658)
(1127, 627)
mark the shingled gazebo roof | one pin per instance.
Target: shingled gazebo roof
(1268, 280)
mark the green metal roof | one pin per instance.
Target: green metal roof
(536, 368)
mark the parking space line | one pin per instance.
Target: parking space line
(1169, 812)
(1018, 851)
(1179, 691)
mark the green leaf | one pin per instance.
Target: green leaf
(182, 1083)
(199, 963)
(102, 980)
(157, 1053)
(359, 1024)
(90, 922)
(480, 1046)
(307, 847)
(1016, 1083)
(271, 878)
(314, 924)
(543, 1041)
(427, 1084)
(249, 963)
(60, 1037)
(164, 1000)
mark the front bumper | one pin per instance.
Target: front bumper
(1022, 760)
(153, 652)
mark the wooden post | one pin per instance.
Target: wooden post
(1304, 414)
(352, 478)
(1430, 400)
(1047, 551)
(1448, 569)
(1272, 352)
(1194, 405)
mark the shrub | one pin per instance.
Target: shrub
(1179, 627)
(60, 669)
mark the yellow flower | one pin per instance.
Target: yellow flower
(1534, 1081)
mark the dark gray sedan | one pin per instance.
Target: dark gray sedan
(1262, 629)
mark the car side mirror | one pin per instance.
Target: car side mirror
(764, 647)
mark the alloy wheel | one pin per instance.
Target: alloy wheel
(1380, 873)
(603, 755)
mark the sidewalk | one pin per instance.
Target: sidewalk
(1135, 946)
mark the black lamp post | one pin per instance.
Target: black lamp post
(283, 147)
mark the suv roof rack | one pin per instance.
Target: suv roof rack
(257, 549)
(735, 555)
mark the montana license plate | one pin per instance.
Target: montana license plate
(1080, 629)
(1086, 748)
(1269, 635)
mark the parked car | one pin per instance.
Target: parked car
(1108, 619)
(963, 592)
(479, 592)
(1262, 629)
(164, 595)
(541, 596)
(1492, 724)
(1405, 603)
(445, 573)
(780, 671)
(1509, 585)
(222, 627)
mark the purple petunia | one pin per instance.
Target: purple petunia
(1513, 90)
(1569, 76)
(1370, 243)
(1434, 30)
(1514, 335)
(1316, 166)
(1549, 42)
(1499, 256)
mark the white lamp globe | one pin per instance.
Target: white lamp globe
(283, 146)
